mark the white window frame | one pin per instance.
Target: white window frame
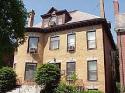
(93, 41)
(51, 47)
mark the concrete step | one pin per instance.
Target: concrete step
(26, 89)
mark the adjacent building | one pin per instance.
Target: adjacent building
(120, 29)
(77, 42)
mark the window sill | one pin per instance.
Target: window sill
(54, 49)
(91, 48)
(92, 80)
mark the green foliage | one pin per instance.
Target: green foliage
(63, 88)
(12, 25)
(92, 91)
(118, 87)
(74, 77)
(48, 75)
(7, 79)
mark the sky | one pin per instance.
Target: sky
(89, 6)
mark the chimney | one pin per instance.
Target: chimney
(102, 11)
(31, 18)
(116, 7)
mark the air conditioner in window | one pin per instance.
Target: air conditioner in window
(71, 48)
(52, 23)
(32, 50)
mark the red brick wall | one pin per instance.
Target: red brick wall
(121, 47)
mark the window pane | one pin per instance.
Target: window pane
(71, 40)
(33, 42)
(60, 20)
(92, 75)
(29, 71)
(91, 39)
(46, 21)
(53, 19)
(70, 69)
(92, 70)
(92, 65)
(54, 43)
(91, 35)
(92, 44)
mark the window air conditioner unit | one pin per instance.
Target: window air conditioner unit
(52, 23)
(71, 48)
(32, 50)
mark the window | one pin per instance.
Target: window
(30, 69)
(92, 70)
(71, 42)
(53, 21)
(33, 44)
(91, 39)
(70, 70)
(54, 43)
(60, 20)
(45, 22)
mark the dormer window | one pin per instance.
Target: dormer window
(55, 17)
(60, 20)
(53, 21)
(45, 22)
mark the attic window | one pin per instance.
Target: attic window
(60, 20)
(53, 21)
(45, 22)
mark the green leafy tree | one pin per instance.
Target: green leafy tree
(48, 77)
(7, 79)
(12, 26)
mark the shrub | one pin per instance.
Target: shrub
(92, 91)
(48, 77)
(63, 88)
(118, 87)
(7, 79)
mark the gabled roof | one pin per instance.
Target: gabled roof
(51, 10)
(81, 16)
(75, 17)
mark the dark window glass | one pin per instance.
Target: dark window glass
(70, 70)
(30, 69)
(33, 44)
(92, 70)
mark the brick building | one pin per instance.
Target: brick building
(75, 41)
(120, 29)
